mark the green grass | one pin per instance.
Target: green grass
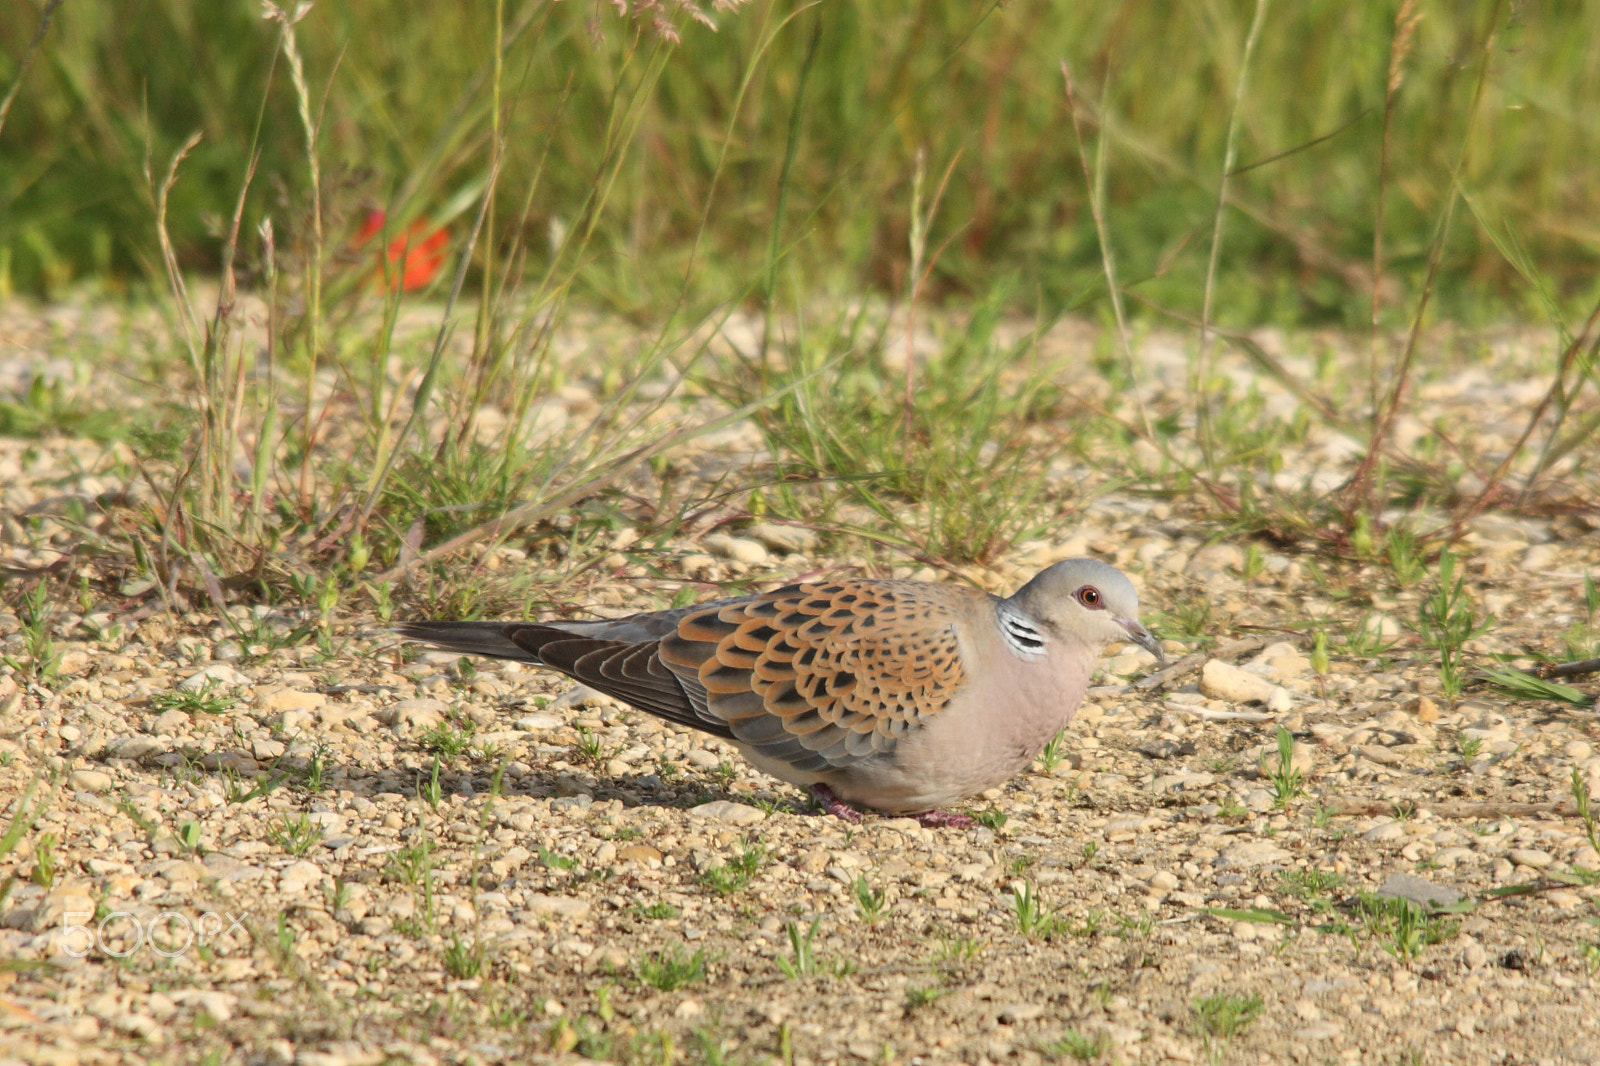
(295, 836)
(1033, 920)
(670, 968)
(1288, 783)
(195, 701)
(1221, 1017)
(804, 961)
(779, 169)
(733, 876)
(1446, 619)
(959, 473)
(402, 105)
(871, 903)
(1072, 1044)
(449, 738)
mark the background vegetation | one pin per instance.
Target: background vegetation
(803, 123)
(1216, 166)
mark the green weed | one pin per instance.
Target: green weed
(669, 968)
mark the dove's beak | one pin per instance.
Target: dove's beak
(1142, 637)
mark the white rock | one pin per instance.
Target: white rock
(1252, 853)
(537, 723)
(542, 906)
(89, 780)
(1280, 662)
(289, 699)
(580, 696)
(1130, 661)
(739, 549)
(1387, 831)
(408, 717)
(1224, 681)
(702, 759)
(787, 539)
(727, 811)
(298, 876)
(136, 747)
(220, 1005)
(217, 675)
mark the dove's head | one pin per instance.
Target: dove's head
(1084, 599)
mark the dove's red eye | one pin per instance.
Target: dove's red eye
(1090, 597)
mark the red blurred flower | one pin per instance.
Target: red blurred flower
(418, 254)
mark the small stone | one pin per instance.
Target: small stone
(410, 717)
(1385, 831)
(703, 759)
(1302, 759)
(89, 780)
(220, 1005)
(1530, 857)
(135, 748)
(787, 539)
(226, 868)
(1020, 1012)
(73, 662)
(1473, 955)
(297, 876)
(1129, 662)
(1163, 881)
(290, 699)
(739, 549)
(1424, 708)
(217, 675)
(1280, 702)
(542, 906)
(728, 811)
(1280, 662)
(1259, 801)
(580, 696)
(1224, 681)
(1539, 559)
(638, 853)
(1419, 890)
(1252, 853)
(536, 723)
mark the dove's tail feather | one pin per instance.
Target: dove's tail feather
(629, 670)
(468, 638)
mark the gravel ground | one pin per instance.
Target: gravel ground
(254, 830)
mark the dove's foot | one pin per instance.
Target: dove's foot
(944, 819)
(833, 804)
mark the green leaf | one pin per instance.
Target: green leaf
(1251, 914)
(1527, 687)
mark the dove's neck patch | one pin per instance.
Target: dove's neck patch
(1021, 633)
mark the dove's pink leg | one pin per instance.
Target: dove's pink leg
(939, 819)
(833, 804)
